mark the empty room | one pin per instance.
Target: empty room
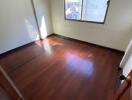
(66, 50)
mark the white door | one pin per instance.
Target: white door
(126, 62)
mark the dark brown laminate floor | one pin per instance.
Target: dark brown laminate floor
(61, 69)
(3, 95)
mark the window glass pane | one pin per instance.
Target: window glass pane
(73, 9)
(94, 10)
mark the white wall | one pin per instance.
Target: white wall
(42, 9)
(115, 33)
(17, 24)
(126, 63)
(128, 66)
(128, 53)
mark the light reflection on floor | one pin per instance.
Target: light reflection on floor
(76, 63)
(47, 45)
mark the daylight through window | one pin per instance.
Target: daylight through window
(86, 10)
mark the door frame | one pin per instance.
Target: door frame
(127, 55)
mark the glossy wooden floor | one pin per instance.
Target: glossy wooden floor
(3, 95)
(62, 69)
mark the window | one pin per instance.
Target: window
(86, 10)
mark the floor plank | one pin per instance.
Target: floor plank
(3, 95)
(62, 69)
